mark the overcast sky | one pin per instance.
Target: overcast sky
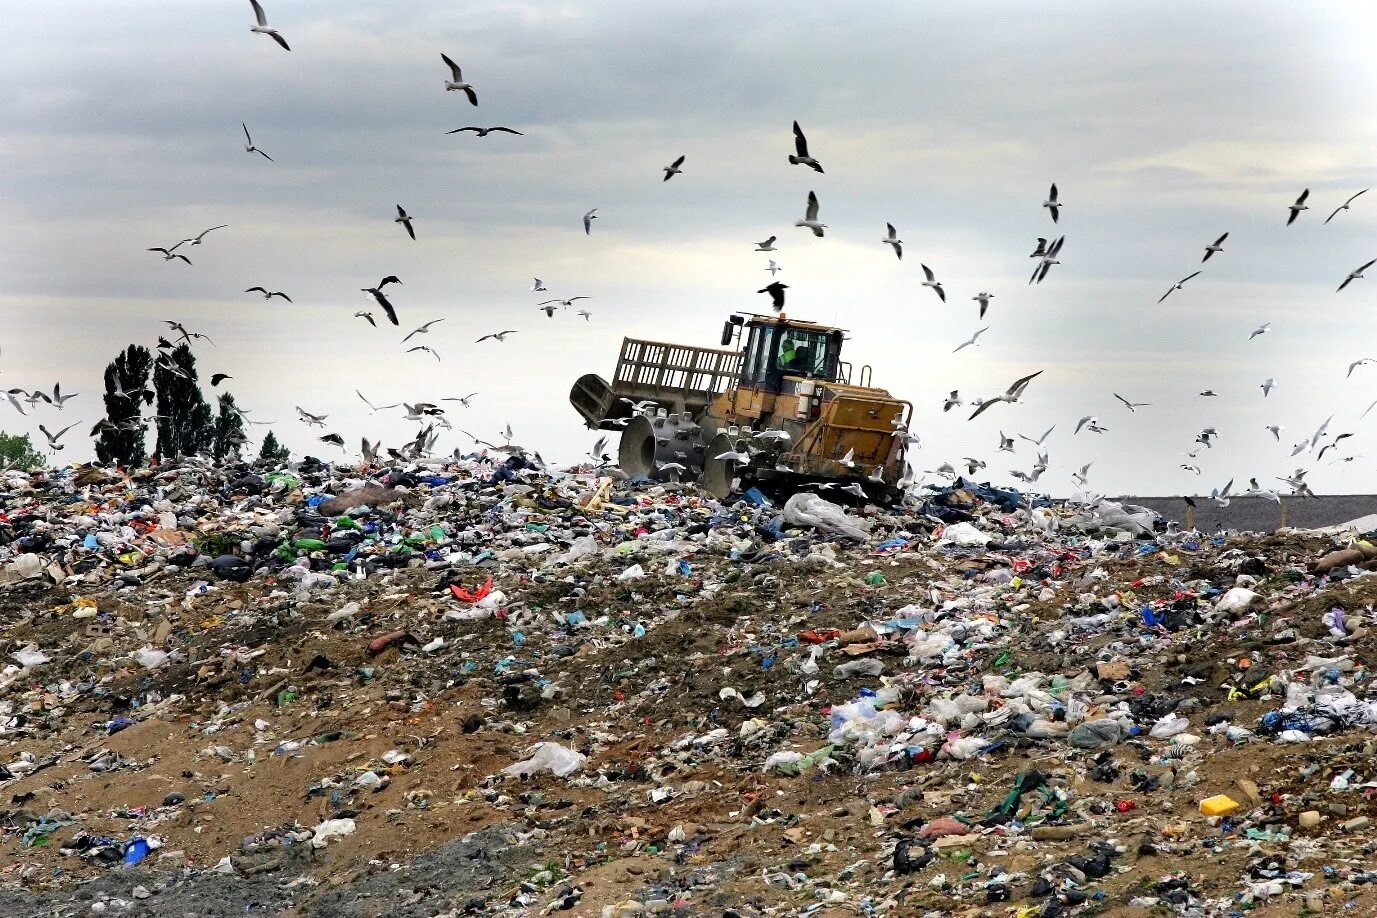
(1164, 125)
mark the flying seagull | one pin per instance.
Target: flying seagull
(1010, 395)
(248, 144)
(548, 307)
(54, 437)
(800, 155)
(1041, 250)
(1006, 444)
(972, 339)
(485, 131)
(773, 268)
(1131, 406)
(429, 350)
(1052, 204)
(584, 314)
(1177, 286)
(776, 292)
(1222, 497)
(196, 240)
(463, 399)
(1356, 274)
(269, 294)
(1082, 477)
(1297, 207)
(458, 82)
(567, 304)
(311, 420)
(378, 297)
(588, 219)
(405, 221)
(218, 378)
(1216, 246)
(1358, 363)
(810, 216)
(420, 330)
(333, 439)
(1049, 258)
(767, 246)
(1267, 385)
(1276, 430)
(951, 401)
(892, 240)
(1262, 329)
(1039, 441)
(374, 408)
(498, 336)
(673, 169)
(934, 283)
(1344, 205)
(983, 299)
(262, 27)
(168, 254)
(538, 286)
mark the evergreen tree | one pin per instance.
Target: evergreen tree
(185, 423)
(273, 451)
(229, 429)
(128, 373)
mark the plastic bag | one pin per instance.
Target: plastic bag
(963, 534)
(808, 509)
(551, 757)
(332, 828)
(1238, 599)
(150, 658)
(30, 656)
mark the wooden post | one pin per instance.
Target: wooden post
(1190, 517)
(1285, 506)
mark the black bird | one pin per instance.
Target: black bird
(776, 292)
(333, 439)
(377, 294)
(485, 131)
(218, 378)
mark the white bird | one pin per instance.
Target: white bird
(54, 437)
(567, 304)
(59, 400)
(1262, 329)
(1048, 259)
(1006, 444)
(782, 436)
(767, 246)
(1052, 204)
(1131, 406)
(1088, 419)
(973, 465)
(1356, 274)
(429, 350)
(588, 219)
(893, 241)
(934, 283)
(810, 216)
(262, 27)
(585, 314)
(1216, 246)
(168, 254)
(673, 169)
(1276, 430)
(983, 299)
(196, 240)
(773, 268)
(538, 286)
(458, 84)
(311, 420)
(499, 336)
(1222, 497)
(1361, 361)
(856, 489)
(1191, 468)
(800, 155)
(1344, 205)
(248, 144)
(732, 455)
(420, 330)
(1040, 440)
(1010, 396)
(640, 406)
(952, 401)
(1297, 207)
(1256, 490)
(972, 339)
(1267, 386)
(849, 460)
(405, 221)
(1369, 408)
(462, 399)
(372, 407)
(268, 294)
(1082, 477)
(1177, 286)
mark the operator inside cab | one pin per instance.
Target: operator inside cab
(797, 357)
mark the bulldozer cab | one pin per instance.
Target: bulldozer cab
(776, 348)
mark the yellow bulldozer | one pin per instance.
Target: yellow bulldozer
(773, 408)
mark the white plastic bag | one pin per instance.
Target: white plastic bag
(332, 828)
(150, 658)
(963, 534)
(808, 509)
(551, 757)
(30, 656)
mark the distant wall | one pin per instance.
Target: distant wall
(1261, 515)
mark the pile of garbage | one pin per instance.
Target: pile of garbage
(479, 686)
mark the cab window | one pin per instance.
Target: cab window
(802, 353)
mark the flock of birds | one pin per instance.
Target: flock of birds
(1046, 255)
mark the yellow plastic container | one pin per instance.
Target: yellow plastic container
(1220, 805)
